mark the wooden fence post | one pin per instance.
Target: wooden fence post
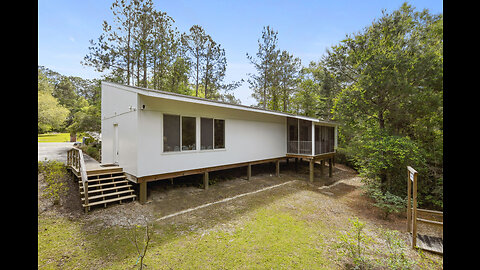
(414, 233)
(409, 205)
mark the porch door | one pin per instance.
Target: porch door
(115, 143)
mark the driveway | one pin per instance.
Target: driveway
(54, 151)
(58, 151)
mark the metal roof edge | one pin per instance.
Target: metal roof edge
(199, 100)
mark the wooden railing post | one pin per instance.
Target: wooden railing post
(412, 179)
(76, 161)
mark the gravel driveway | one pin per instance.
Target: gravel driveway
(54, 151)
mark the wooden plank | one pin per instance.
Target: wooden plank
(202, 170)
(433, 212)
(430, 243)
(111, 200)
(432, 222)
(105, 184)
(107, 189)
(109, 194)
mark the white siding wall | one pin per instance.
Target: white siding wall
(116, 105)
(248, 136)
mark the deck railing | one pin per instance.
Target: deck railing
(76, 161)
(299, 147)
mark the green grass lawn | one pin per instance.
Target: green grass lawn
(55, 137)
(268, 239)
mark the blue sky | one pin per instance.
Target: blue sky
(305, 28)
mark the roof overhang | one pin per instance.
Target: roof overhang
(197, 100)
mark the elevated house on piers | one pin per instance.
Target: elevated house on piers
(154, 135)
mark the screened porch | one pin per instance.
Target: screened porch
(308, 138)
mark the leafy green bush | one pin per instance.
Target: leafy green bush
(354, 244)
(53, 172)
(386, 201)
(396, 257)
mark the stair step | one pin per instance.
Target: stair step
(105, 184)
(104, 171)
(108, 194)
(106, 189)
(102, 179)
(110, 200)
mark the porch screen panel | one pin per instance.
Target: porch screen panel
(317, 140)
(331, 139)
(219, 133)
(189, 131)
(171, 133)
(292, 135)
(305, 137)
(206, 133)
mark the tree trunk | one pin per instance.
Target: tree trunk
(196, 84)
(383, 173)
(145, 68)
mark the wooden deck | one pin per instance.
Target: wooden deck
(429, 243)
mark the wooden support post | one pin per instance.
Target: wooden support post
(409, 205)
(322, 164)
(143, 192)
(205, 180)
(330, 167)
(249, 171)
(171, 181)
(414, 233)
(85, 192)
(311, 169)
(288, 161)
(277, 168)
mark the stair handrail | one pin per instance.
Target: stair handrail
(75, 159)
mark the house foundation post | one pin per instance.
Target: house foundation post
(277, 168)
(143, 192)
(205, 180)
(330, 167)
(322, 164)
(312, 161)
(249, 171)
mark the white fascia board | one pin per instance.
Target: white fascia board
(197, 100)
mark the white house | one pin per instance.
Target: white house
(156, 135)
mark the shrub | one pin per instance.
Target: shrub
(388, 202)
(396, 257)
(354, 244)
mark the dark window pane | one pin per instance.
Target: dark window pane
(206, 133)
(171, 133)
(219, 133)
(188, 133)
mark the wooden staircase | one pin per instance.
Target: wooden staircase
(106, 186)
